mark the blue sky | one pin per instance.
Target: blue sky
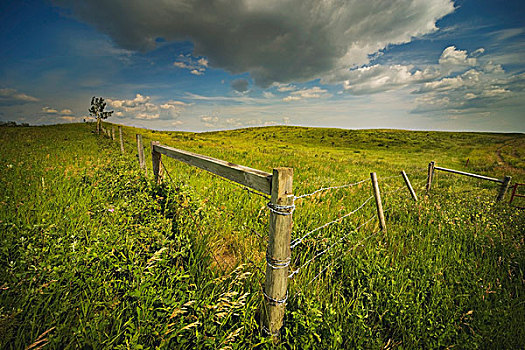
(202, 65)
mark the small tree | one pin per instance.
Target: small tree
(97, 110)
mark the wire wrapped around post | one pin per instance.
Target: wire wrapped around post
(278, 253)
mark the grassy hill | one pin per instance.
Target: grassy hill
(95, 255)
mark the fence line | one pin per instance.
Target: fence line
(298, 241)
(279, 186)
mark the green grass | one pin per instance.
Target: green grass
(101, 257)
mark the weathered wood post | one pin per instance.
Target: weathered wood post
(155, 161)
(377, 195)
(140, 149)
(121, 139)
(278, 253)
(503, 189)
(113, 132)
(430, 177)
(407, 181)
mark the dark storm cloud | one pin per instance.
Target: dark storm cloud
(240, 85)
(273, 40)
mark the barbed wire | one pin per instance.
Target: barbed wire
(330, 247)
(298, 241)
(336, 260)
(393, 191)
(330, 188)
(388, 177)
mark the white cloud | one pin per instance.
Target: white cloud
(458, 82)
(49, 110)
(453, 60)
(143, 107)
(11, 97)
(196, 67)
(144, 115)
(314, 92)
(291, 98)
(286, 87)
(275, 41)
(380, 78)
(209, 119)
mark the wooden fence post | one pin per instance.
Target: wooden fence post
(503, 189)
(142, 161)
(278, 253)
(430, 177)
(407, 181)
(377, 195)
(121, 139)
(155, 161)
(113, 132)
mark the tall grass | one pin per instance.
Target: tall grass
(100, 257)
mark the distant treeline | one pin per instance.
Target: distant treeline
(9, 123)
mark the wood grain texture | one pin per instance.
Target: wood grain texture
(256, 179)
(280, 230)
(430, 176)
(155, 161)
(140, 150)
(409, 185)
(379, 205)
(503, 189)
(481, 177)
(121, 139)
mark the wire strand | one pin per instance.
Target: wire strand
(298, 241)
(330, 247)
(330, 188)
(336, 260)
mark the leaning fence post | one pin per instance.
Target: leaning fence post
(155, 161)
(278, 253)
(140, 149)
(121, 139)
(503, 189)
(430, 177)
(407, 181)
(377, 195)
(113, 132)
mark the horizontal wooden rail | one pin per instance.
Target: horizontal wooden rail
(468, 174)
(256, 179)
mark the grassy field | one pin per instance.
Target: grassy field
(95, 255)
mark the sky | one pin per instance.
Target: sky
(201, 65)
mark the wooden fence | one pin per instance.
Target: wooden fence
(505, 182)
(279, 185)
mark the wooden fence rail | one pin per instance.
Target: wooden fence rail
(505, 182)
(278, 254)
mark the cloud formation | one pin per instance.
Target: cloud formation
(240, 85)
(379, 78)
(275, 41)
(142, 107)
(195, 66)
(11, 97)
(314, 92)
(458, 83)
